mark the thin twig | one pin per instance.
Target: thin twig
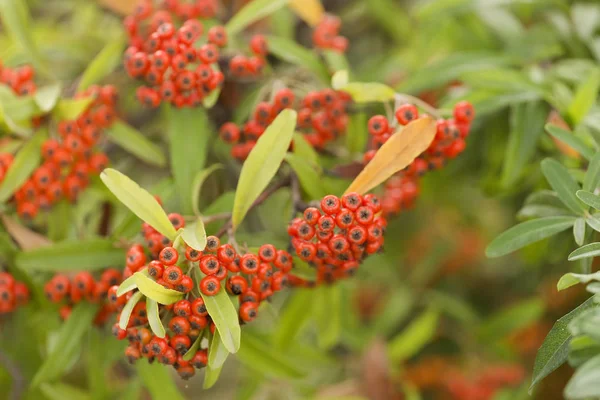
(16, 375)
(216, 217)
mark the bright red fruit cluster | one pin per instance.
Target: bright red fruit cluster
(336, 237)
(12, 293)
(403, 188)
(322, 117)
(166, 58)
(326, 34)
(242, 66)
(486, 384)
(70, 158)
(19, 79)
(69, 291)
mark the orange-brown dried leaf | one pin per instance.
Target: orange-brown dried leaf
(396, 154)
(311, 11)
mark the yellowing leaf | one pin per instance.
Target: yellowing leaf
(263, 163)
(194, 235)
(154, 290)
(397, 153)
(311, 11)
(25, 237)
(371, 92)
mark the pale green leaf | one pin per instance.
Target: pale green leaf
(155, 291)
(136, 143)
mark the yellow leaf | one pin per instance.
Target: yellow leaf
(397, 153)
(311, 11)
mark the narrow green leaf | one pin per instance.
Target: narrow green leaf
(592, 175)
(579, 231)
(290, 51)
(570, 139)
(372, 92)
(155, 291)
(126, 286)
(571, 279)
(309, 178)
(555, 349)
(565, 186)
(526, 233)
(217, 353)
(138, 200)
(420, 332)
(154, 319)
(336, 61)
(158, 380)
(593, 222)
(199, 180)
(103, 64)
(61, 391)
(357, 136)
(588, 198)
(263, 163)
(128, 309)
(194, 235)
(81, 255)
(304, 150)
(211, 376)
(293, 317)
(193, 349)
(68, 340)
(252, 12)
(585, 383)
(25, 162)
(585, 97)
(210, 100)
(69, 109)
(589, 250)
(510, 319)
(260, 356)
(223, 313)
(136, 143)
(327, 309)
(189, 137)
(47, 96)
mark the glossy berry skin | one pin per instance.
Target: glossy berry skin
(406, 113)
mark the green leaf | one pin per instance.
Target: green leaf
(565, 186)
(336, 60)
(69, 109)
(71, 255)
(410, 341)
(585, 97)
(293, 317)
(128, 309)
(592, 175)
(304, 150)
(47, 96)
(126, 286)
(103, 64)
(193, 349)
(579, 231)
(263, 163)
(136, 143)
(571, 279)
(290, 51)
(510, 319)
(310, 179)
(217, 353)
(252, 12)
(589, 250)
(570, 139)
(588, 198)
(68, 340)
(357, 135)
(154, 319)
(593, 222)
(189, 137)
(526, 126)
(199, 180)
(138, 200)
(526, 233)
(555, 349)
(585, 383)
(25, 162)
(158, 380)
(210, 100)
(211, 376)
(155, 291)
(16, 21)
(194, 235)
(223, 313)
(61, 391)
(327, 310)
(372, 92)
(260, 356)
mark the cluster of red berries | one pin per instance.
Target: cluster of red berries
(322, 117)
(182, 8)
(69, 291)
(12, 293)
(19, 79)
(338, 236)
(166, 59)
(243, 66)
(326, 34)
(70, 158)
(403, 188)
(486, 384)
